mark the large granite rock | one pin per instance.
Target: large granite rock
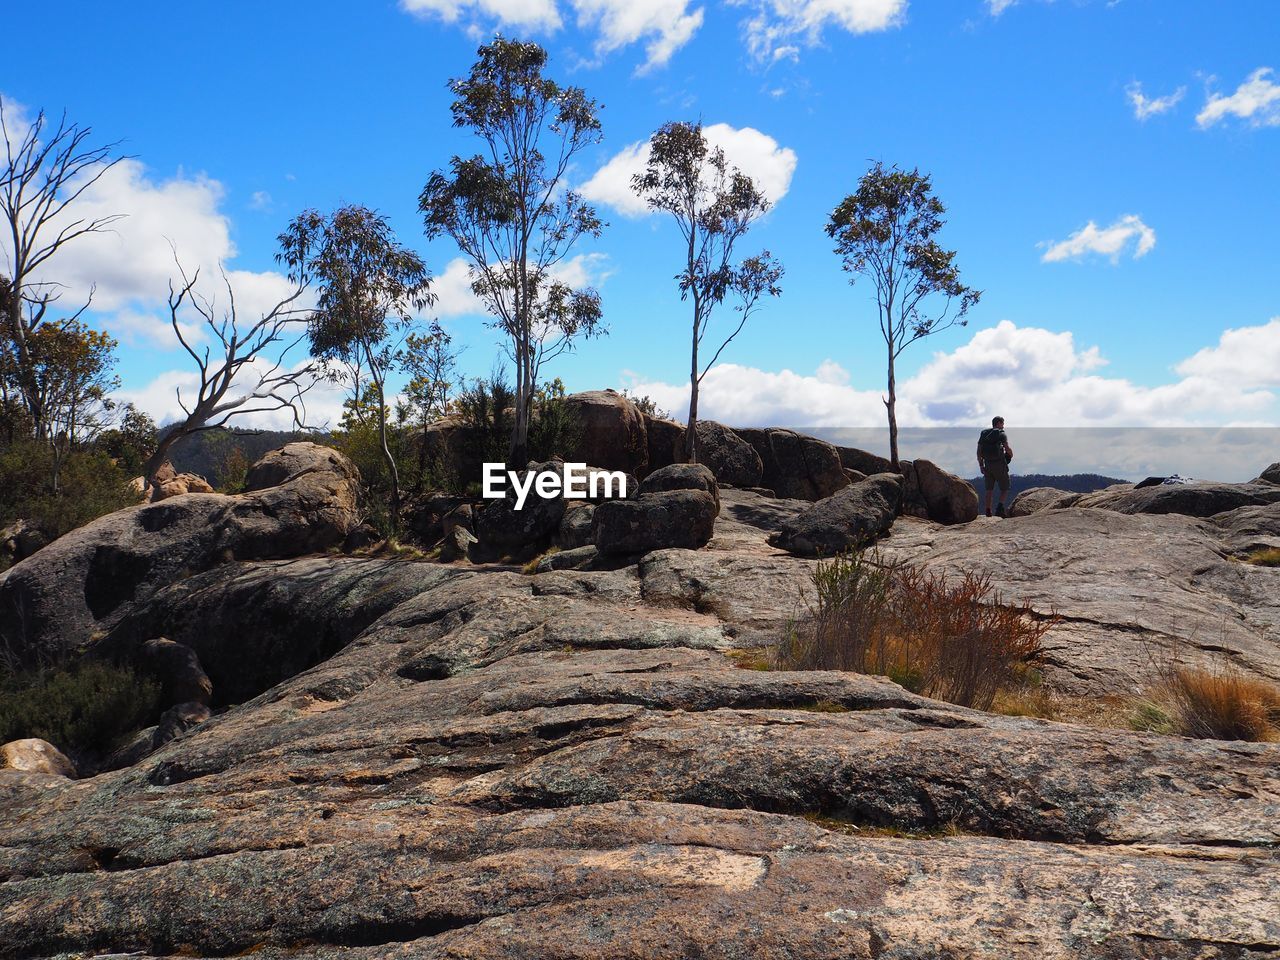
(666, 442)
(299, 500)
(683, 476)
(613, 434)
(1196, 499)
(796, 466)
(854, 516)
(933, 494)
(1270, 475)
(653, 521)
(851, 458)
(178, 485)
(1035, 499)
(729, 457)
(501, 526)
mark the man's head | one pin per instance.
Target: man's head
(997, 422)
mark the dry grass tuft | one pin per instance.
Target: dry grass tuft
(1264, 557)
(1213, 704)
(954, 640)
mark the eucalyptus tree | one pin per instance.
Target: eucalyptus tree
(714, 204)
(885, 231)
(368, 287)
(511, 213)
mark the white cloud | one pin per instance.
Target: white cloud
(779, 24)
(1108, 242)
(1257, 100)
(261, 200)
(997, 7)
(668, 25)
(756, 154)
(528, 14)
(1042, 376)
(1246, 356)
(1144, 106)
(454, 297)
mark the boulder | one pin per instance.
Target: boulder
(36, 756)
(177, 486)
(666, 442)
(613, 433)
(682, 476)
(606, 488)
(1035, 499)
(574, 559)
(164, 473)
(361, 538)
(937, 495)
(300, 499)
(176, 666)
(796, 466)
(1201, 498)
(457, 545)
(851, 458)
(21, 539)
(730, 458)
(848, 518)
(853, 476)
(500, 526)
(1270, 475)
(653, 521)
(177, 720)
(575, 526)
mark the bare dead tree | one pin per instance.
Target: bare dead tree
(233, 355)
(45, 170)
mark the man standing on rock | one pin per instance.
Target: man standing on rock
(994, 454)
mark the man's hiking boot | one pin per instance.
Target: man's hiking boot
(999, 509)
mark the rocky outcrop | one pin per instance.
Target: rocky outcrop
(1196, 499)
(36, 757)
(853, 517)
(796, 466)
(930, 492)
(1035, 499)
(612, 431)
(728, 456)
(299, 499)
(20, 540)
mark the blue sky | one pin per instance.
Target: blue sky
(1155, 121)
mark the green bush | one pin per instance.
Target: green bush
(90, 485)
(87, 707)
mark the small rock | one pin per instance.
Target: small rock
(36, 756)
(177, 720)
(457, 545)
(361, 538)
(575, 527)
(574, 559)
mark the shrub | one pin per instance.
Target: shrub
(87, 707)
(90, 485)
(1219, 704)
(950, 640)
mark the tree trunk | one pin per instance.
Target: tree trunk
(518, 451)
(159, 456)
(892, 406)
(691, 432)
(386, 455)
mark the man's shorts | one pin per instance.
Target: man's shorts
(996, 473)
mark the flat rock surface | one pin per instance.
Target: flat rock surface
(478, 763)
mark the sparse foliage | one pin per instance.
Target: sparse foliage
(885, 232)
(510, 214)
(45, 170)
(714, 204)
(243, 369)
(952, 640)
(368, 287)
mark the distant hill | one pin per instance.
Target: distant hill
(1071, 482)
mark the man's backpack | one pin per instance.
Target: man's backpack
(991, 443)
